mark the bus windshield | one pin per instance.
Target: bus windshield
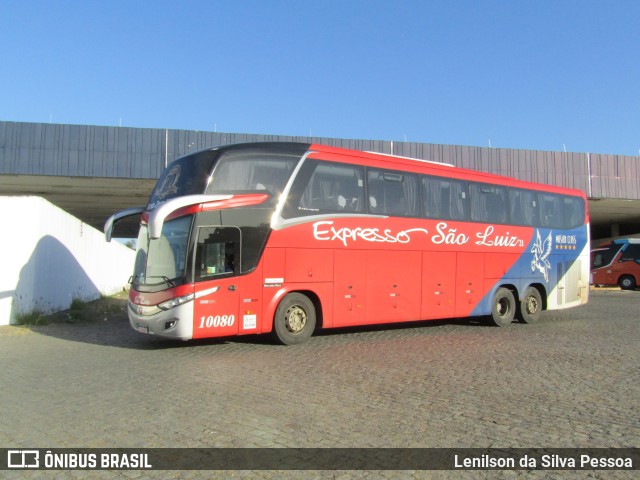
(232, 172)
(185, 176)
(162, 262)
(601, 257)
(244, 173)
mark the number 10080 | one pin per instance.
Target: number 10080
(217, 321)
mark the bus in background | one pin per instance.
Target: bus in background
(616, 263)
(287, 238)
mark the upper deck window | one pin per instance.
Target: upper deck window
(393, 193)
(631, 253)
(489, 203)
(228, 170)
(444, 198)
(185, 176)
(522, 207)
(550, 211)
(326, 187)
(573, 208)
(252, 172)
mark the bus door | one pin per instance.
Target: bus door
(217, 268)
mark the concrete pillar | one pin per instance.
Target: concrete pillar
(615, 230)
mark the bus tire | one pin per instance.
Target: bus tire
(627, 282)
(295, 319)
(530, 306)
(503, 308)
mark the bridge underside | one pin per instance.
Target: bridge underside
(90, 199)
(93, 200)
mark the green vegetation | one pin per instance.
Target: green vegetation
(34, 317)
(77, 310)
(105, 308)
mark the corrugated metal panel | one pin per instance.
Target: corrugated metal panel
(615, 176)
(85, 150)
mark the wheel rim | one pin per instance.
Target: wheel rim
(295, 319)
(531, 305)
(503, 308)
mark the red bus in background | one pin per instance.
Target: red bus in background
(287, 238)
(617, 263)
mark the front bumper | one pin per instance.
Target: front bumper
(174, 323)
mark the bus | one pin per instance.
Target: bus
(616, 263)
(289, 238)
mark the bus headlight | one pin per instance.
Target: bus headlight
(174, 302)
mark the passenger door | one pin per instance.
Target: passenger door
(217, 266)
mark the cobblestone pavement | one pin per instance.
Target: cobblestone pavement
(572, 380)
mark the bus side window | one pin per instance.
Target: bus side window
(444, 199)
(392, 193)
(550, 211)
(522, 207)
(326, 187)
(597, 260)
(252, 173)
(217, 252)
(488, 203)
(573, 209)
(631, 253)
(434, 198)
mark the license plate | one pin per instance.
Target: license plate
(142, 328)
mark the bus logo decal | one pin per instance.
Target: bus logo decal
(488, 239)
(541, 251)
(324, 230)
(169, 185)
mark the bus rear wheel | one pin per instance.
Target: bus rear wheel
(627, 282)
(503, 308)
(530, 306)
(295, 319)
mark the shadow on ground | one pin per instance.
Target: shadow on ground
(105, 322)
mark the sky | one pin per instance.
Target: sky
(541, 75)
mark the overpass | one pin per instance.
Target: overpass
(93, 171)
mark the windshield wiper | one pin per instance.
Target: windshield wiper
(166, 280)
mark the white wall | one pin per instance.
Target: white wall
(48, 258)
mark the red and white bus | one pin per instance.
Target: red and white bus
(288, 238)
(617, 263)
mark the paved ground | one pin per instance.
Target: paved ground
(573, 380)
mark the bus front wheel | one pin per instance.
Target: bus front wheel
(530, 306)
(295, 319)
(503, 308)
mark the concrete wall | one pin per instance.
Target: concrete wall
(48, 258)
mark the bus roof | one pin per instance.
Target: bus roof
(628, 240)
(394, 161)
(620, 241)
(411, 158)
(445, 169)
(398, 162)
